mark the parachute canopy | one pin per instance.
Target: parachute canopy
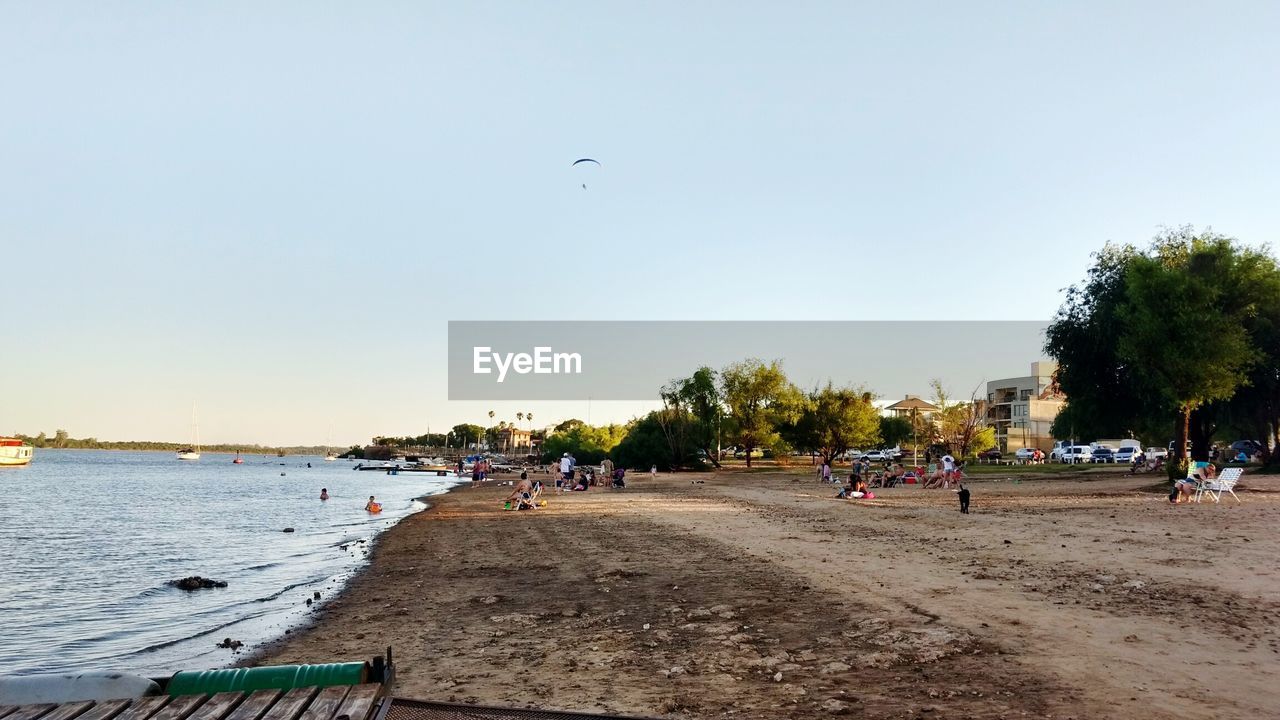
(586, 160)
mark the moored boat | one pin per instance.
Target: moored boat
(14, 452)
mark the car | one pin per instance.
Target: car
(1155, 452)
(878, 456)
(1077, 454)
(1102, 454)
(1126, 455)
(1025, 454)
(991, 455)
(1251, 448)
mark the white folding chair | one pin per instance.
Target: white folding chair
(1214, 487)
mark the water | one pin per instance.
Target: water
(88, 540)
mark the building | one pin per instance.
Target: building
(910, 406)
(513, 439)
(1022, 409)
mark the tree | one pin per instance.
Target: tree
(834, 420)
(567, 425)
(696, 399)
(895, 430)
(962, 426)
(759, 398)
(467, 433)
(1170, 333)
(589, 444)
(648, 443)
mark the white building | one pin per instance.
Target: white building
(1022, 409)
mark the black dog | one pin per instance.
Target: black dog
(964, 500)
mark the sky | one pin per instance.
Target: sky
(273, 210)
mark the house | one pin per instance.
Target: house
(910, 406)
(1022, 409)
(513, 439)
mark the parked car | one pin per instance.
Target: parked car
(878, 456)
(1126, 455)
(1102, 454)
(1025, 454)
(1155, 452)
(1252, 448)
(1077, 454)
(991, 455)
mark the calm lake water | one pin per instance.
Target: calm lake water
(88, 540)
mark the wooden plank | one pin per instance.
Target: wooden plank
(291, 705)
(6, 709)
(255, 705)
(67, 711)
(180, 707)
(218, 706)
(142, 708)
(30, 712)
(105, 710)
(325, 704)
(359, 702)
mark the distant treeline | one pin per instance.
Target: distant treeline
(61, 440)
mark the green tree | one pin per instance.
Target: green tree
(833, 420)
(648, 443)
(1170, 333)
(696, 404)
(589, 444)
(961, 426)
(466, 433)
(895, 430)
(759, 399)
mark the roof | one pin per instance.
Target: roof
(912, 402)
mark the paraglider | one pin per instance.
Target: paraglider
(585, 160)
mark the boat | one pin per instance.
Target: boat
(14, 452)
(192, 452)
(238, 461)
(328, 454)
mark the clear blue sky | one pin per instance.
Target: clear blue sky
(273, 210)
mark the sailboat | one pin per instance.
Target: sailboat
(328, 454)
(193, 452)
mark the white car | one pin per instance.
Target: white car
(1025, 454)
(1077, 454)
(878, 456)
(1156, 452)
(1125, 455)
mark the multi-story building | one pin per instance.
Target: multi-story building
(1022, 409)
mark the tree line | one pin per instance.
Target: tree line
(752, 405)
(62, 440)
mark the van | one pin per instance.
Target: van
(1077, 454)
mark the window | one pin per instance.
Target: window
(1019, 410)
(1025, 395)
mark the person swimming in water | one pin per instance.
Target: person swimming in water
(373, 505)
(324, 493)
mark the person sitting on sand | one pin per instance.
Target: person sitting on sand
(522, 495)
(324, 493)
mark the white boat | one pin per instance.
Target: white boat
(193, 452)
(328, 439)
(14, 452)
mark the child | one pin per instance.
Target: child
(324, 493)
(964, 499)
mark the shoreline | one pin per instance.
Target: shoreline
(265, 648)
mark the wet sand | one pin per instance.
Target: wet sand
(761, 596)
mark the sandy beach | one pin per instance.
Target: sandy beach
(759, 595)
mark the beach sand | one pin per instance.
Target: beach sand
(759, 595)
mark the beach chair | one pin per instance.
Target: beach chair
(1214, 487)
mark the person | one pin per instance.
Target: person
(324, 493)
(653, 472)
(373, 506)
(948, 468)
(826, 471)
(581, 485)
(460, 468)
(566, 469)
(964, 499)
(522, 495)
(619, 477)
(606, 468)
(475, 473)
(1185, 488)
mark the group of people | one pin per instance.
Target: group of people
(373, 506)
(479, 470)
(944, 474)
